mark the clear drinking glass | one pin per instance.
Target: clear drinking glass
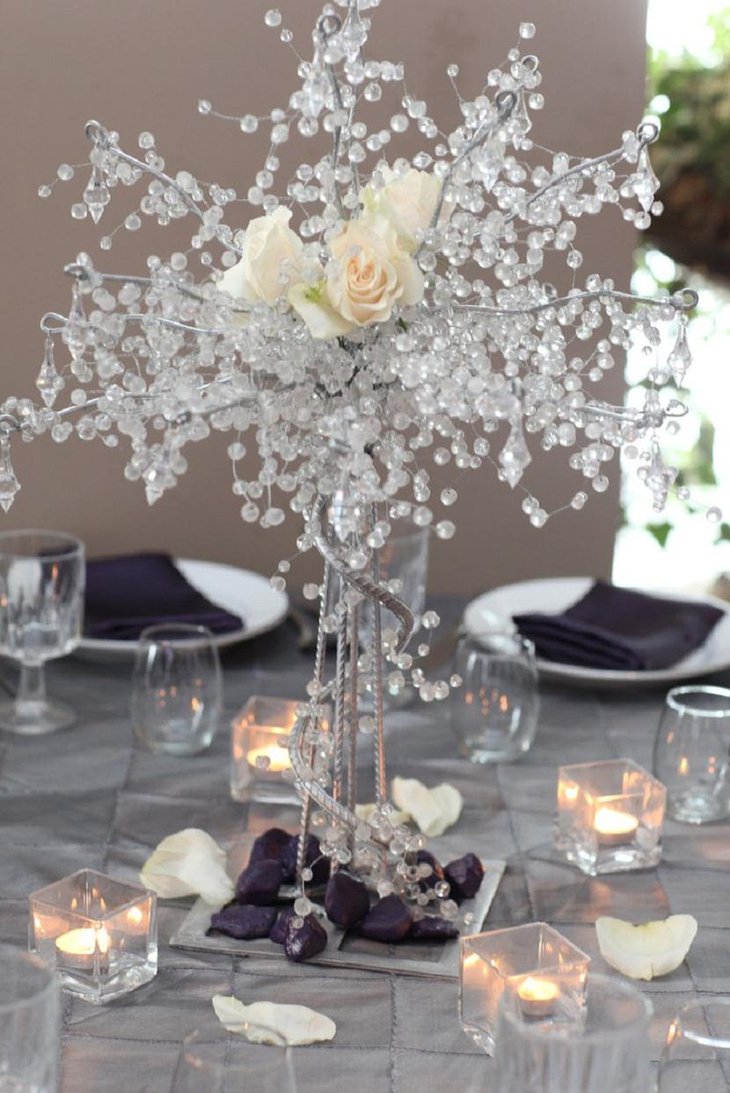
(494, 713)
(176, 689)
(696, 1053)
(42, 577)
(609, 1050)
(692, 752)
(212, 1063)
(29, 1024)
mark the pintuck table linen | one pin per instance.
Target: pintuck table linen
(89, 798)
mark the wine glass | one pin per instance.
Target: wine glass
(42, 577)
(220, 1063)
(696, 1053)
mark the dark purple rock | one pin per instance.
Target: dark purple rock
(281, 927)
(346, 900)
(313, 858)
(433, 928)
(388, 920)
(271, 844)
(437, 872)
(305, 941)
(243, 921)
(260, 882)
(464, 876)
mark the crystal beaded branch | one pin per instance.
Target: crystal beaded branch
(491, 364)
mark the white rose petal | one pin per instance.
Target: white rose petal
(312, 305)
(188, 863)
(294, 1025)
(434, 810)
(646, 951)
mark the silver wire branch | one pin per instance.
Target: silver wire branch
(687, 300)
(646, 133)
(636, 415)
(505, 102)
(81, 273)
(327, 27)
(98, 134)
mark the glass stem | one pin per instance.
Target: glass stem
(31, 686)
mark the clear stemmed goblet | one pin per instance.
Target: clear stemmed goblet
(42, 577)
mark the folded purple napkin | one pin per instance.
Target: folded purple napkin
(126, 594)
(620, 630)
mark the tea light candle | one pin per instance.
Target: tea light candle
(260, 761)
(614, 828)
(271, 757)
(98, 932)
(537, 996)
(81, 947)
(541, 971)
(610, 816)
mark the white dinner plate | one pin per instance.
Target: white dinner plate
(494, 610)
(236, 590)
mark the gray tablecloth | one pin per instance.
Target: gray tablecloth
(88, 797)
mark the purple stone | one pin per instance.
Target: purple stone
(313, 858)
(280, 928)
(389, 920)
(244, 921)
(270, 844)
(437, 872)
(305, 941)
(346, 900)
(433, 928)
(259, 883)
(465, 877)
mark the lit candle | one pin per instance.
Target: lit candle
(269, 757)
(80, 947)
(537, 996)
(614, 828)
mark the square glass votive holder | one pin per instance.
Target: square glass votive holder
(610, 816)
(99, 933)
(544, 971)
(260, 764)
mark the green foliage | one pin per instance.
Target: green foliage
(660, 532)
(696, 127)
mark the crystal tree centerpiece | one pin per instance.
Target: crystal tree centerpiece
(378, 308)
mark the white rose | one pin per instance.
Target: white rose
(407, 201)
(270, 263)
(369, 272)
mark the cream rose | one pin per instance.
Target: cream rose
(369, 272)
(270, 263)
(407, 201)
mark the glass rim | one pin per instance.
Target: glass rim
(25, 959)
(480, 640)
(190, 634)
(675, 700)
(74, 545)
(703, 1039)
(552, 1034)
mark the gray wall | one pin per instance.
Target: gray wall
(143, 64)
